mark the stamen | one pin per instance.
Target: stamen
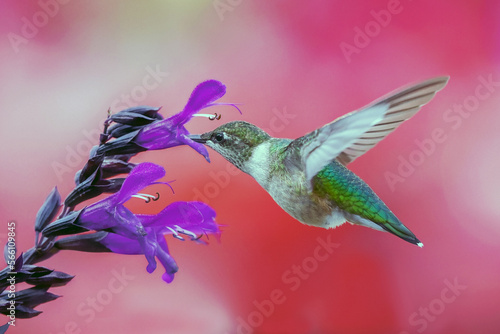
(217, 117)
(179, 230)
(175, 234)
(210, 116)
(187, 232)
(140, 196)
(148, 197)
(154, 198)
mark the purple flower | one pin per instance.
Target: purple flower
(164, 133)
(189, 218)
(139, 234)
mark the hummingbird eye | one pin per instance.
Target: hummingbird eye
(219, 136)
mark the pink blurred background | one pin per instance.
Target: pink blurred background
(62, 64)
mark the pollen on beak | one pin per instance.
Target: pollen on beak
(197, 138)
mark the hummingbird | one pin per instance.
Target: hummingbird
(308, 177)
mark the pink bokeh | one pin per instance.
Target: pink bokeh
(277, 58)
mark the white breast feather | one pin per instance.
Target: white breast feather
(258, 164)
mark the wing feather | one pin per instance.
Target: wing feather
(329, 141)
(353, 134)
(402, 105)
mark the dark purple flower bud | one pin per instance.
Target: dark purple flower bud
(110, 186)
(123, 145)
(26, 272)
(90, 242)
(136, 116)
(19, 262)
(22, 312)
(133, 119)
(119, 130)
(121, 157)
(92, 187)
(35, 254)
(55, 278)
(65, 225)
(9, 253)
(146, 111)
(77, 177)
(21, 273)
(91, 169)
(48, 211)
(112, 167)
(4, 328)
(36, 271)
(26, 300)
(93, 151)
(35, 296)
(4, 275)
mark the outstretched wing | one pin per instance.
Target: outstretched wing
(402, 105)
(351, 135)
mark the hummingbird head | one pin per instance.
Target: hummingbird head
(235, 141)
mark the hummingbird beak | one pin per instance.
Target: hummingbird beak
(197, 138)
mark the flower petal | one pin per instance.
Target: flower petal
(202, 96)
(131, 246)
(196, 217)
(166, 260)
(149, 248)
(200, 148)
(121, 245)
(158, 135)
(140, 177)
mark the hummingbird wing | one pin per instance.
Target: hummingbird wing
(320, 147)
(402, 104)
(351, 135)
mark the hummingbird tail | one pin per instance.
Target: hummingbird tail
(395, 227)
(403, 232)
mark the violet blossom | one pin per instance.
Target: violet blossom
(115, 228)
(140, 234)
(142, 128)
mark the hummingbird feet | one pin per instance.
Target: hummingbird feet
(179, 230)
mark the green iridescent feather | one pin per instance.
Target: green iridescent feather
(351, 194)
